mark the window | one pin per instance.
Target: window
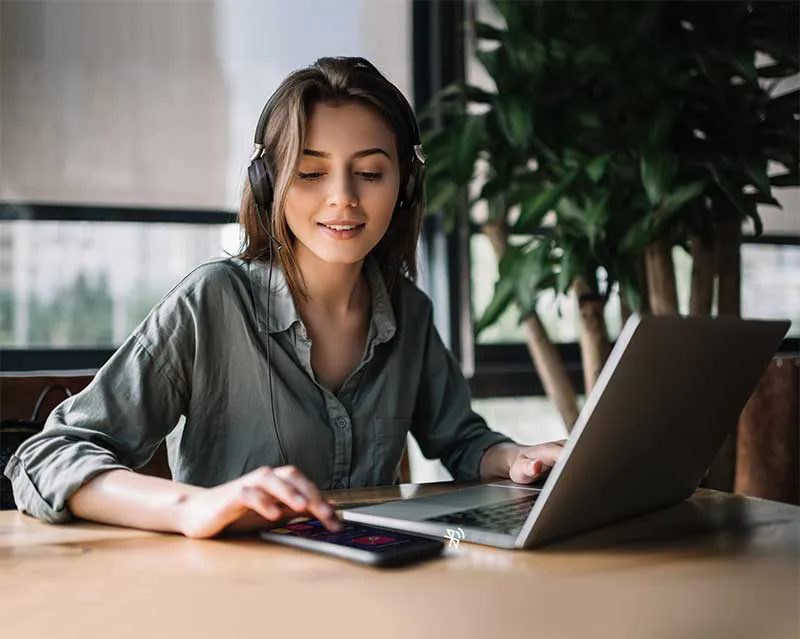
(88, 284)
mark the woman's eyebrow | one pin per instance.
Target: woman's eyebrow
(358, 154)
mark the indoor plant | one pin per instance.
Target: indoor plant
(636, 128)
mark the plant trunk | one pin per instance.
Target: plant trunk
(729, 267)
(660, 271)
(550, 367)
(595, 346)
(722, 472)
(546, 358)
(497, 238)
(704, 270)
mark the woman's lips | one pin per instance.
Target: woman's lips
(341, 231)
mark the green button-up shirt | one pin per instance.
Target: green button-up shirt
(201, 354)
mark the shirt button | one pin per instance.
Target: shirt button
(341, 422)
(337, 485)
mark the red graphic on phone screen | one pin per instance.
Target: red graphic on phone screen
(373, 540)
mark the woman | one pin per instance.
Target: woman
(303, 362)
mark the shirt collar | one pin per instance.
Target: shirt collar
(283, 312)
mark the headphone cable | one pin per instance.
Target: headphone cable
(284, 458)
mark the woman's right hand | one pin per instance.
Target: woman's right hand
(253, 501)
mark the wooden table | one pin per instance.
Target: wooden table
(716, 566)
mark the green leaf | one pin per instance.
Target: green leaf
(531, 273)
(513, 11)
(590, 120)
(638, 236)
(786, 179)
(484, 31)
(490, 189)
(760, 198)
(571, 264)
(573, 158)
(745, 64)
(570, 215)
(534, 209)
(509, 263)
(489, 60)
(596, 168)
(478, 95)
(758, 174)
(596, 217)
(514, 118)
(780, 70)
(501, 300)
(732, 192)
(629, 290)
(459, 93)
(673, 202)
(466, 144)
(758, 225)
(439, 198)
(657, 171)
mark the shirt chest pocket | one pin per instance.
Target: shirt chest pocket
(390, 443)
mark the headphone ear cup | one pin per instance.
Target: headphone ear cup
(261, 184)
(413, 188)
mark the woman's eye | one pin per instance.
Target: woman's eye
(370, 175)
(314, 175)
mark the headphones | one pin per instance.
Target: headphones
(262, 180)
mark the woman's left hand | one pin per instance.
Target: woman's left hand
(523, 464)
(531, 462)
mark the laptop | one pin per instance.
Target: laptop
(670, 392)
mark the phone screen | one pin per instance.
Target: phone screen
(357, 541)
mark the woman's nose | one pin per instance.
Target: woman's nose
(342, 194)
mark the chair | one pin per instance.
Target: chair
(768, 446)
(19, 393)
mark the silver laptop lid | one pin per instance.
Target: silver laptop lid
(671, 390)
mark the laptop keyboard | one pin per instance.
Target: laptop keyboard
(507, 517)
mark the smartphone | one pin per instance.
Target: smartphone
(357, 542)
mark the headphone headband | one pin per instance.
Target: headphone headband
(356, 63)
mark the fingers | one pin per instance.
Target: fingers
(548, 453)
(534, 461)
(316, 505)
(257, 500)
(286, 485)
(281, 489)
(525, 471)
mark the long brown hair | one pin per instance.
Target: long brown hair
(337, 81)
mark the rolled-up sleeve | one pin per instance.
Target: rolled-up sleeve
(118, 421)
(444, 424)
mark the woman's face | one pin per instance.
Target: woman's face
(341, 199)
